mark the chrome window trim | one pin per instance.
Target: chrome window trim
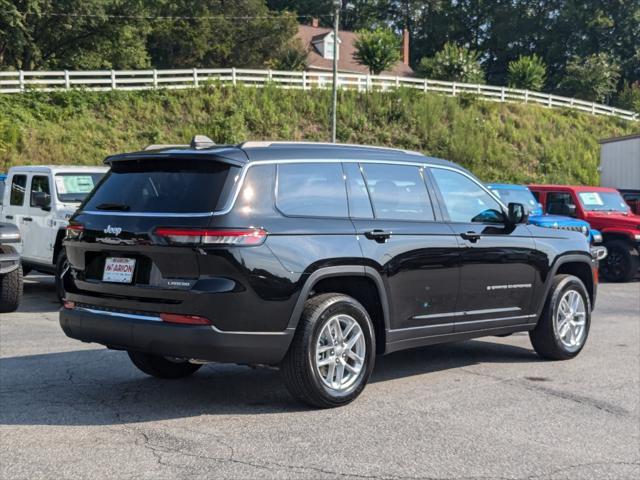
(239, 184)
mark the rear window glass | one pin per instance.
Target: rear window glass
(398, 192)
(312, 189)
(161, 186)
(74, 187)
(18, 189)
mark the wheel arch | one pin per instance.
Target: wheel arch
(579, 266)
(362, 283)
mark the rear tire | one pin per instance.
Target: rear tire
(62, 268)
(622, 262)
(11, 290)
(567, 311)
(161, 367)
(332, 353)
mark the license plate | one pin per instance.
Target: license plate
(118, 270)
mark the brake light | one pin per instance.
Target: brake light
(74, 231)
(241, 237)
(69, 305)
(184, 319)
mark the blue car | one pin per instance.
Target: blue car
(521, 194)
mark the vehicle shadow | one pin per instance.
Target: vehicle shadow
(39, 294)
(101, 387)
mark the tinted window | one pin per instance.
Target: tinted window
(312, 189)
(18, 188)
(39, 184)
(464, 199)
(74, 187)
(557, 203)
(161, 186)
(359, 203)
(398, 192)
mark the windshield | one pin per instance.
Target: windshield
(74, 187)
(518, 195)
(161, 186)
(603, 202)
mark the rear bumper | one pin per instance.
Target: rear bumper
(149, 334)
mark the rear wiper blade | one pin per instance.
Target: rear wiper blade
(113, 206)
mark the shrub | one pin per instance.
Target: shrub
(629, 97)
(527, 72)
(291, 57)
(377, 49)
(453, 63)
(593, 78)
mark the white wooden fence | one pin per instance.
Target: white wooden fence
(20, 81)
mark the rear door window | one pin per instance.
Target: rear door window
(162, 186)
(74, 187)
(312, 190)
(398, 192)
(18, 189)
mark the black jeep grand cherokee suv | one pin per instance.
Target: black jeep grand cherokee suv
(312, 257)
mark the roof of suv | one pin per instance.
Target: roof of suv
(253, 152)
(576, 188)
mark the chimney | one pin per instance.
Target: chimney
(405, 46)
(314, 22)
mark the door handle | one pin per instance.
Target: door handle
(379, 236)
(27, 219)
(10, 217)
(472, 237)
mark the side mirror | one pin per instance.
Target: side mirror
(569, 210)
(517, 213)
(41, 200)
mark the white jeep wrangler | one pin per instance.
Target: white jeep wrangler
(39, 200)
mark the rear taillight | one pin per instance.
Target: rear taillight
(184, 319)
(189, 236)
(69, 305)
(74, 231)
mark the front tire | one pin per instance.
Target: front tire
(621, 263)
(563, 327)
(332, 353)
(11, 290)
(162, 367)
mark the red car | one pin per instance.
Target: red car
(605, 210)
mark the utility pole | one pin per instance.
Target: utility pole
(337, 4)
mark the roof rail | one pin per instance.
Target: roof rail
(160, 146)
(268, 143)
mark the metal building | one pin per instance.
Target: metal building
(620, 162)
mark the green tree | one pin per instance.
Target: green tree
(377, 49)
(214, 33)
(528, 72)
(593, 78)
(453, 63)
(292, 57)
(629, 97)
(38, 34)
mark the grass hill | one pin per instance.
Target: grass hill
(497, 141)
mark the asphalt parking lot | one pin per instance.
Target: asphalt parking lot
(479, 409)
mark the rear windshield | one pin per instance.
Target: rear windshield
(161, 186)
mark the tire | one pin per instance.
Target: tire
(311, 383)
(62, 267)
(11, 290)
(161, 367)
(622, 262)
(547, 338)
